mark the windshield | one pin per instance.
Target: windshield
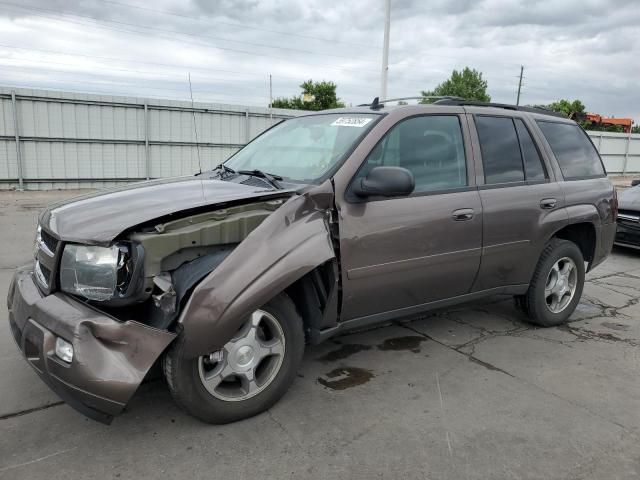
(304, 149)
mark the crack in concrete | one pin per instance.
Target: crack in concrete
(469, 356)
(490, 366)
(40, 459)
(286, 432)
(7, 416)
(583, 334)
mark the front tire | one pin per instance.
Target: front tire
(556, 286)
(248, 375)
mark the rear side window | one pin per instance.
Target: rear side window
(576, 155)
(500, 150)
(534, 171)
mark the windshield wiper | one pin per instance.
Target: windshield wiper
(222, 167)
(272, 179)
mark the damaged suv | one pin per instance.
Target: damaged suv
(324, 223)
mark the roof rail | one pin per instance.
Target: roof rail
(506, 106)
(377, 103)
(423, 97)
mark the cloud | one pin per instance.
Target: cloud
(584, 49)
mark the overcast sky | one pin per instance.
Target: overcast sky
(585, 49)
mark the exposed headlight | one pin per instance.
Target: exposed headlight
(93, 272)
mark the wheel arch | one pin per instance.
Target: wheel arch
(583, 234)
(284, 254)
(582, 228)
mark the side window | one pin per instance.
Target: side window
(430, 147)
(576, 155)
(533, 167)
(500, 150)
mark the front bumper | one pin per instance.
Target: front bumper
(628, 234)
(110, 359)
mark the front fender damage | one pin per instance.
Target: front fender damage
(290, 243)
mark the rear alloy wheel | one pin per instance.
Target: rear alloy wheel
(248, 374)
(556, 286)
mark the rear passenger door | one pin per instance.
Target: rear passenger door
(517, 194)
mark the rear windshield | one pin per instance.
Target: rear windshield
(572, 148)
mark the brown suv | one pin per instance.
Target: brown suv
(324, 223)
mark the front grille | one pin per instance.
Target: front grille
(43, 274)
(50, 242)
(47, 256)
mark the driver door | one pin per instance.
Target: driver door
(401, 253)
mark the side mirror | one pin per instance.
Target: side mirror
(635, 183)
(385, 182)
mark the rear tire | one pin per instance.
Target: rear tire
(556, 286)
(226, 386)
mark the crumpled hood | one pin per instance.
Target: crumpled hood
(630, 199)
(101, 216)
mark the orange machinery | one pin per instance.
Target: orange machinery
(625, 123)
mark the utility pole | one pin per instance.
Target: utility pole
(385, 50)
(519, 85)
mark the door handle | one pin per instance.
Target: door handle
(548, 203)
(462, 214)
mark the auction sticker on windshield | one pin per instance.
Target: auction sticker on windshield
(351, 122)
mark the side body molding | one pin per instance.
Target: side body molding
(288, 244)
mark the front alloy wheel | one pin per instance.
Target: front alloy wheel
(248, 363)
(248, 374)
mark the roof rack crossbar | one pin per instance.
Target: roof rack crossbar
(377, 103)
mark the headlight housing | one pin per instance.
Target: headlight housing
(96, 273)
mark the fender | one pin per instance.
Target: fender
(584, 213)
(288, 244)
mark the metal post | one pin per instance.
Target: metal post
(247, 131)
(385, 50)
(147, 153)
(626, 154)
(17, 134)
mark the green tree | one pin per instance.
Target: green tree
(467, 84)
(572, 109)
(635, 128)
(319, 96)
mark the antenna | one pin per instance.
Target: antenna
(195, 126)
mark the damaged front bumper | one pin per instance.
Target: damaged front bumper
(110, 357)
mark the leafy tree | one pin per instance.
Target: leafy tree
(577, 111)
(467, 84)
(321, 95)
(635, 129)
(572, 109)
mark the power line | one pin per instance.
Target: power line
(247, 27)
(116, 59)
(205, 45)
(82, 72)
(166, 30)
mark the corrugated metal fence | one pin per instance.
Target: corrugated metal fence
(619, 151)
(68, 140)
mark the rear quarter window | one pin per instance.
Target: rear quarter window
(576, 155)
